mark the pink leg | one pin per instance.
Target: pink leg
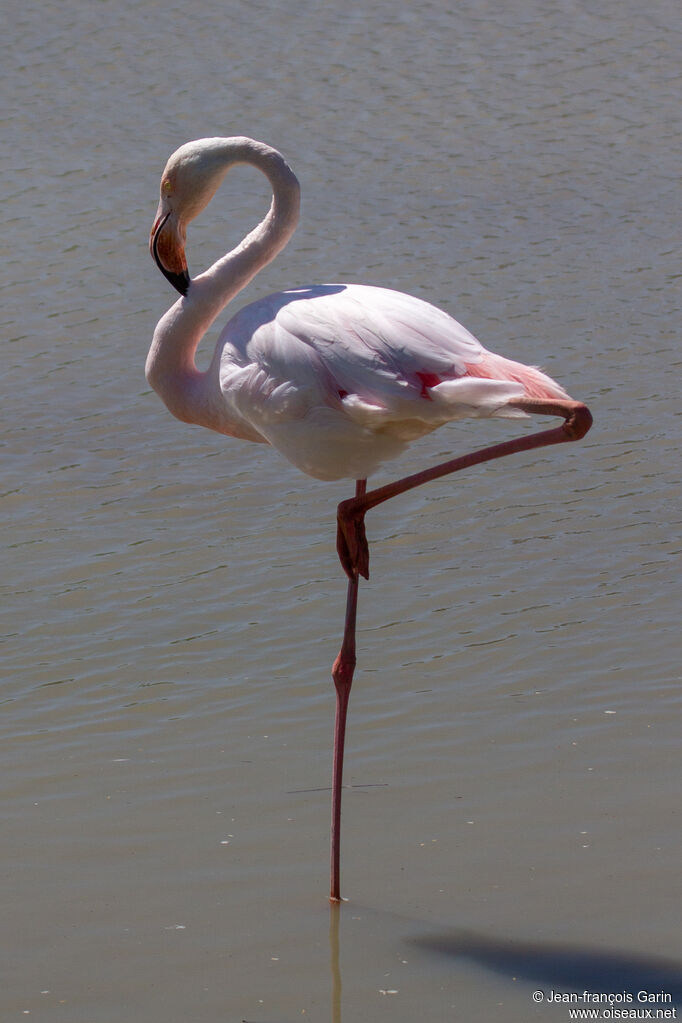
(353, 553)
(342, 673)
(351, 541)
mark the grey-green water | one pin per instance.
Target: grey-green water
(172, 601)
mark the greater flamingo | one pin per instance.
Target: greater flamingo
(338, 378)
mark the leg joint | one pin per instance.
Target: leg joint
(578, 422)
(578, 418)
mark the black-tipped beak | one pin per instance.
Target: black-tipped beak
(169, 257)
(180, 282)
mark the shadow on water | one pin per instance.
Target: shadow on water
(564, 968)
(560, 968)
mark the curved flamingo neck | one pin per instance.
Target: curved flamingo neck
(171, 369)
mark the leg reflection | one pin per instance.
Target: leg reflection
(334, 959)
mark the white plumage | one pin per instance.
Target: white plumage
(340, 378)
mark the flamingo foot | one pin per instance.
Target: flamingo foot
(351, 540)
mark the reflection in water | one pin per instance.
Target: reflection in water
(334, 918)
(334, 962)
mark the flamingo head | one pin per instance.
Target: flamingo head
(167, 246)
(189, 181)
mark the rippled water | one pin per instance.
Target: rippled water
(172, 601)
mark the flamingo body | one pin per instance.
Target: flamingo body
(340, 378)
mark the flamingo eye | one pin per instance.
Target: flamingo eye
(166, 186)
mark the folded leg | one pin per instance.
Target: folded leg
(351, 540)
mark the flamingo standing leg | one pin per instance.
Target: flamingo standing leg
(354, 556)
(342, 673)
